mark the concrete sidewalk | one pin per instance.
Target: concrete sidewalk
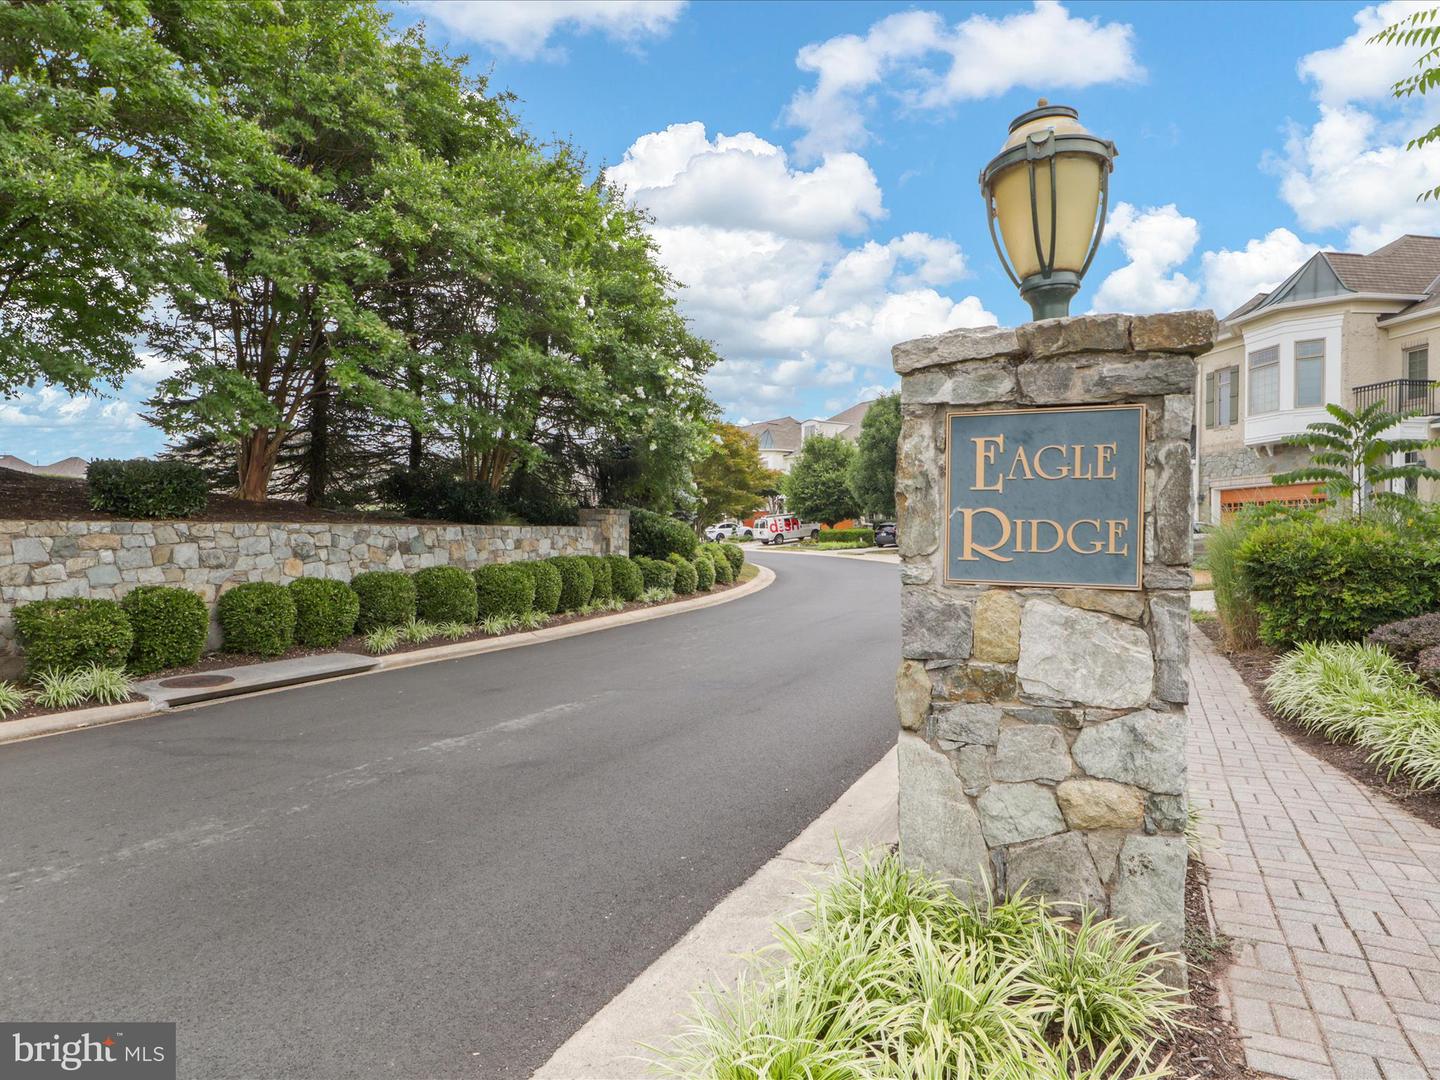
(651, 1009)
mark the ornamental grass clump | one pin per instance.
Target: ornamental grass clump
(107, 685)
(12, 699)
(1361, 694)
(382, 639)
(889, 975)
(56, 689)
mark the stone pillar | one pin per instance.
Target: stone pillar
(614, 526)
(1043, 726)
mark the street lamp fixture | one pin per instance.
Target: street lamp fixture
(1048, 188)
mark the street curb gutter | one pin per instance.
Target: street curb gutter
(77, 719)
(651, 1009)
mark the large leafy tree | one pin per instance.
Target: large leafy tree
(818, 484)
(872, 474)
(731, 480)
(1354, 461)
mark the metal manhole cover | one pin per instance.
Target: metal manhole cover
(187, 682)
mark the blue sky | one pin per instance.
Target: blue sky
(812, 167)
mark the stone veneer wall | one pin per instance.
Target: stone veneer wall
(106, 559)
(1247, 463)
(1043, 729)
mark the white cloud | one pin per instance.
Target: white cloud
(778, 269)
(46, 424)
(1232, 277)
(524, 29)
(978, 57)
(1156, 240)
(1349, 169)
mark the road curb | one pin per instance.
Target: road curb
(651, 1009)
(35, 727)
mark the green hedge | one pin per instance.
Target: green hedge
(704, 571)
(73, 633)
(736, 554)
(602, 589)
(724, 572)
(548, 585)
(655, 573)
(444, 594)
(841, 536)
(576, 581)
(505, 589)
(146, 489)
(257, 618)
(387, 598)
(169, 627)
(626, 581)
(1335, 581)
(687, 580)
(325, 611)
(658, 537)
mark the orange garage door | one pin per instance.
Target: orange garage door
(1233, 499)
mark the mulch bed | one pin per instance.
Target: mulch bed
(356, 644)
(29, 497)
(1255, 665)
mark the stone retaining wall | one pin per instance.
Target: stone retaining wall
(1043, 728)
(105, 559)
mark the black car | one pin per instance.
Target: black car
(885, 534)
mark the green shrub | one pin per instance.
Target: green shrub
(626, 581)
(439, 494)
(603, 588)
(658, 537)
(444, 594)
(257, 618)
(736, 554)
(655, 573)
(687, 580)
(864, 537)
(1233, 602)
(1334, 581)
(1408, 638)
(505, 589)
(169, 627)
(724, 575)
(325, 611)
(576, 581)
(548, 585)
(146, 489)
(387, 598)
(704, 571)
(73, 633)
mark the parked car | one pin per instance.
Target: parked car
(885, 534)
(729, 530)
(777, 528)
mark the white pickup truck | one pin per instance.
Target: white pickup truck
(777, 528)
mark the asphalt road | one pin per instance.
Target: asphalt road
(442, 870)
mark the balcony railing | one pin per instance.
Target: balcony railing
(1401, 396)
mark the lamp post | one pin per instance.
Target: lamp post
(1048, 188)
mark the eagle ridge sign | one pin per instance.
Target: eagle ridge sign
(1051, 497)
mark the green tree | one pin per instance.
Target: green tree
(731, 480)
(99, 122)
(1354, 461)
(872, 474)
(817, 486)
(1420, 28)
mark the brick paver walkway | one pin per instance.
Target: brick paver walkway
(1331, 894)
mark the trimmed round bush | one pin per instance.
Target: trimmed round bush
(73, 633)
(687, 579)
(257, 618)
(600, 570)
(736, 554)
(1408, 638)
(576, 581)
(146, 489)
(626, 581)
(325, 611)
(724, 574)
(387, 598)
(704, 571)
(444, 594)
(547, 585)
(658, 537)
(169, 627)
(505, 589)
(655, 573)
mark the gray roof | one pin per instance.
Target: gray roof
(785, 431)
